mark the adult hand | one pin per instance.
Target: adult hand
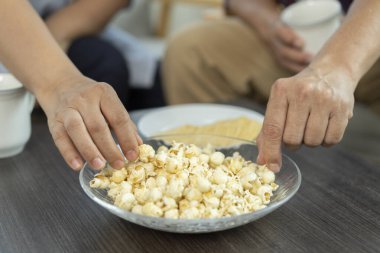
(80, 114)
(287, 47)
(310, 108)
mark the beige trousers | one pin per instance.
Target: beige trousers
(224, 60)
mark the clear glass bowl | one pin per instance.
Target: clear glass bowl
(288, 179)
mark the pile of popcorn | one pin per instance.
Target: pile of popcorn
(187, 182)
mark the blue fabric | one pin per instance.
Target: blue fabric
(100, 60)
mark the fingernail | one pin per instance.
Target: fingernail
(274, 167)
(97, 163)
(131, 155)
(118, 164)
(76, 164)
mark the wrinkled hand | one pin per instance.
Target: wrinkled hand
(80, 116)
(309, 108)
(287, 47)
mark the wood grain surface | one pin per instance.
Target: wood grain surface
(43, 209)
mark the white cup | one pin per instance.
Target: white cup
(16, 105)
(314, 21)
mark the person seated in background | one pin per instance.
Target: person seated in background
(102, 51)
(310, 97)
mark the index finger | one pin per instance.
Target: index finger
(290, 37)
(273, 127)
(121, 123)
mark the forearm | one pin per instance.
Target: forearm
(82, 17)
(356, 45)
(29, 51)
(256, 13)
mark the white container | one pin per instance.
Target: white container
(314, 21)
(16, 105)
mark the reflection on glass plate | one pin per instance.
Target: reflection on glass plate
(170, 117)
(288, 179)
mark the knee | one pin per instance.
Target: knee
(183, 55)
(184, 44)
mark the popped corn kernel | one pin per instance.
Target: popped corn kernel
(137, 209)
(161, 181)
(169, 203)
(160, 160)
(151, 209)
(203, 184)
(268, 177)
(265, 192)
(150, 183)
(172, 214)
(216, 158)
(219, 177)
(190, 213)
(172, 165)
(146, 153)
(126, 201)
(118, 176)
(155, 194)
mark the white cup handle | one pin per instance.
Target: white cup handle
(32, 101)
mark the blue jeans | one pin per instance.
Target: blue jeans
(101, 61)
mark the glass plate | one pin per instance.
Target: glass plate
(288, 179)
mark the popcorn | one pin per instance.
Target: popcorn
(193, 194)
(203, 184)
(155, 194)
(172, 214)
(161, 181)
(151, 209)
(141, 194)
(137, 209)
(137, 175)
(170, 203)
(248, 179)
(265, 192)
(127, 200)
(216, 158)
(190, 213)
(172, 165)
(100, 181)
(204, 158)
(150, 183)
(268, 177)
(219, 177)
(118, 176)
(160, 160)
(125, 186)
(187, 182)
(162, 150)
(146, 153)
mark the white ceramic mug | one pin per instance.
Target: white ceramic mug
(16, 105)
(314, 21)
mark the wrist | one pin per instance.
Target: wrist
(334, 73)
(50, 94)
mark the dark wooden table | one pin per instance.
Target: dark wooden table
(43, 209)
